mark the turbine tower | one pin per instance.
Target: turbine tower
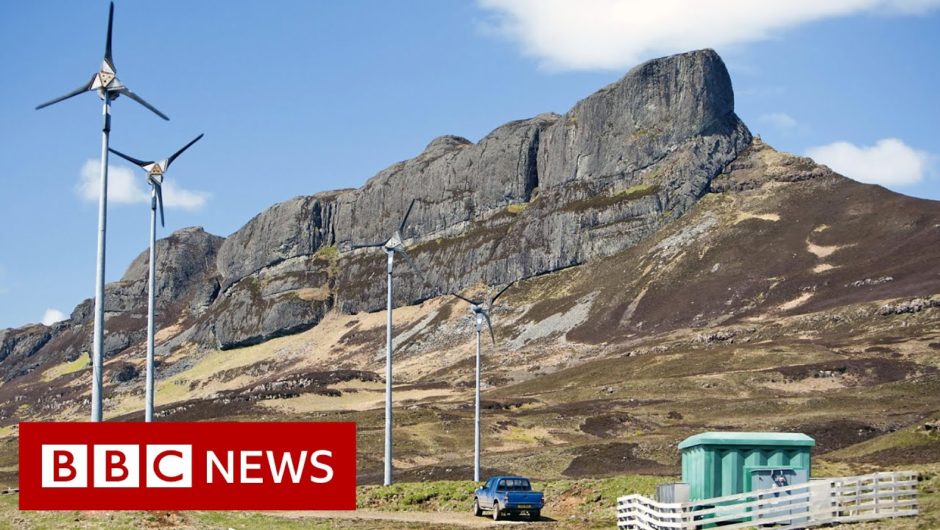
(481, 312)
(391, 246)
(155, 173)
(108, 87)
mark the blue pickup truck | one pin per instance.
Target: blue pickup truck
(508, 496)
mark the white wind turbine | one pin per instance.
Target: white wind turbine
(391, 246)
(155, 174)
(481, 312)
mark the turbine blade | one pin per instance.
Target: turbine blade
(178, 153)
(84, 88)
(413, 266)
(159, 189)
(465, 299)
(107, 43)
(130, 159)
(497, 295)
(489, 325)
(404, 219)
(127, 92)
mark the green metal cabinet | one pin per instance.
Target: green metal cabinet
(715, 464)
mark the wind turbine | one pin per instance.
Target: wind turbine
(155, 173)
(481, 311)
(391, 246)
(108, 87)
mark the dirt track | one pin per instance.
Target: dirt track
(446, 519)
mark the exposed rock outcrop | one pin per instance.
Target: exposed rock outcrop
(186, 274)
(23, 342)
(187, 284)
(286, 298)
(298, 227)
(593, 182)
(760, 164)
(531, 197)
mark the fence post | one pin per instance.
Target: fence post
(858, 497)
(829, 501)
(894, 493)
(877, 491)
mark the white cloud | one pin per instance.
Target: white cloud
(129, 186)
(614, 34)
(781, 120)
(51, 316)
(176, 197)
(889, 162)
(124, 186)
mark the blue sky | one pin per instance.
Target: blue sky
(297, 97)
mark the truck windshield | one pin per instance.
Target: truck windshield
(514, 484)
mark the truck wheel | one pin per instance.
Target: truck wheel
(476, 508)
(535, 515)
(496, 511)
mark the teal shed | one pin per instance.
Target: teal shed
(715, 464)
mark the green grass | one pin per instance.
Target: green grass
(11, 518)
(517, 208)
(445, 495)
(589, 499)
(256, 520)
(602, 201)
(329, 254)
(642, 133)
(604, 492)
(909, 437)
(66, 367)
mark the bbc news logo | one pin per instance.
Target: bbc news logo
(187, 466)
(116, 466)
(170, 466)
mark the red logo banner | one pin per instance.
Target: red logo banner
(187, 466)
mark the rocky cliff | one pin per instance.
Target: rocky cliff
(533, 196)
(187, 283)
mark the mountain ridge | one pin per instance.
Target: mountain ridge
(561, 159)
(648, 209)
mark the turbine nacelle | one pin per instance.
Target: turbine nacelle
(394, 243)
(481, 310)
(105, 77)
(156, 171)
(105, 81)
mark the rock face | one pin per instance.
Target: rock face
(635, 122)
(23, 343)
(279, 300)
(297, 227)
(531, 197)
(564, 189)
(187, 284)
(186, 273)
(760, 163)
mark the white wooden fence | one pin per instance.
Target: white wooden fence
(821, 501)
